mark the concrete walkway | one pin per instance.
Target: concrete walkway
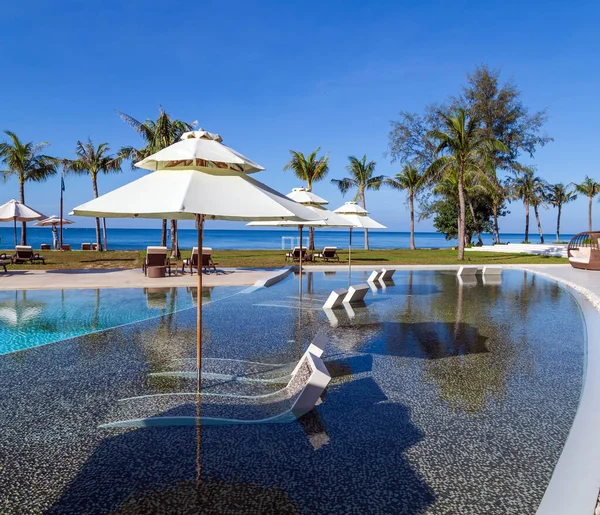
(106, 278)
(551, 249)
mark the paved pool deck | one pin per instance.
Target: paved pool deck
(586, 282)
(128, 278)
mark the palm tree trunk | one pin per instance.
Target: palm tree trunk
(526, 222)
(174, 242)
(558, 224)
(104, 233)
(98, 239)
(590, 215)
(462, 215)
(475, 224)
(539, 225)
(163, 234)
(23, 224)
(311, 238)
(496, 229)
(411, 201)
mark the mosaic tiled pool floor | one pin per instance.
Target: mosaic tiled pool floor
(443, 400)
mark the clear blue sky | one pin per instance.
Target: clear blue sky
(274, 76)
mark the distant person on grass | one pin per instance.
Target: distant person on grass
(54, 237)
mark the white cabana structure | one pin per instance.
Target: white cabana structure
(197, 178)
(17, 212)
(358, 217)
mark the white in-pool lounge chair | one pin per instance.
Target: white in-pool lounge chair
(301, 394)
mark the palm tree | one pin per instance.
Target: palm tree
(525, 186)
(157, 135)
(408, 179)
(361, 177)
(538, 199)
(558, 195)
(309, 169)
(467, 149)
(447, 187)
(26, 162)
(590, 188)
(92, 160)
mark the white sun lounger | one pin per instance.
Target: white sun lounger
(356, 293)
(386, 275)
(302, 393)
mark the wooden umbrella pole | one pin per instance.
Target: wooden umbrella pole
(301, 258)
(350, 258)
(15, 220)
(200, 223)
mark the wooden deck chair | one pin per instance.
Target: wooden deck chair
(328, 254)
(156, 256)
(25, 254)
(294, 255)
(192, 261)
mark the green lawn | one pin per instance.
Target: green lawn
(275, 258)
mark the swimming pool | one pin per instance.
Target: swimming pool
(37, 317)
(444, 398)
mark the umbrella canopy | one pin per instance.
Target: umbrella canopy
(196, 178)
(182, 194)
(53, 220)
(305, 197)
(324, 218)
(14, 210)
(199, 150)
(357, 216)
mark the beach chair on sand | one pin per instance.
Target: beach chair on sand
(66, 246)
(25, 254)
(207, 262)
(156, 256)
(86, 246)
(328, 254)
(294, 255)
(45, 246)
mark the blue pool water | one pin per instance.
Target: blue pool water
(37, 317)
(445, 398)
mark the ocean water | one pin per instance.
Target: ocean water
(251, 239)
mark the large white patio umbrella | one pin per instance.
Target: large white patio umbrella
(15, 211)
(53, 221)
(196, 178)
(357, 216)
(324, 217)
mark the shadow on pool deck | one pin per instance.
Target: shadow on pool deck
(268, 468)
